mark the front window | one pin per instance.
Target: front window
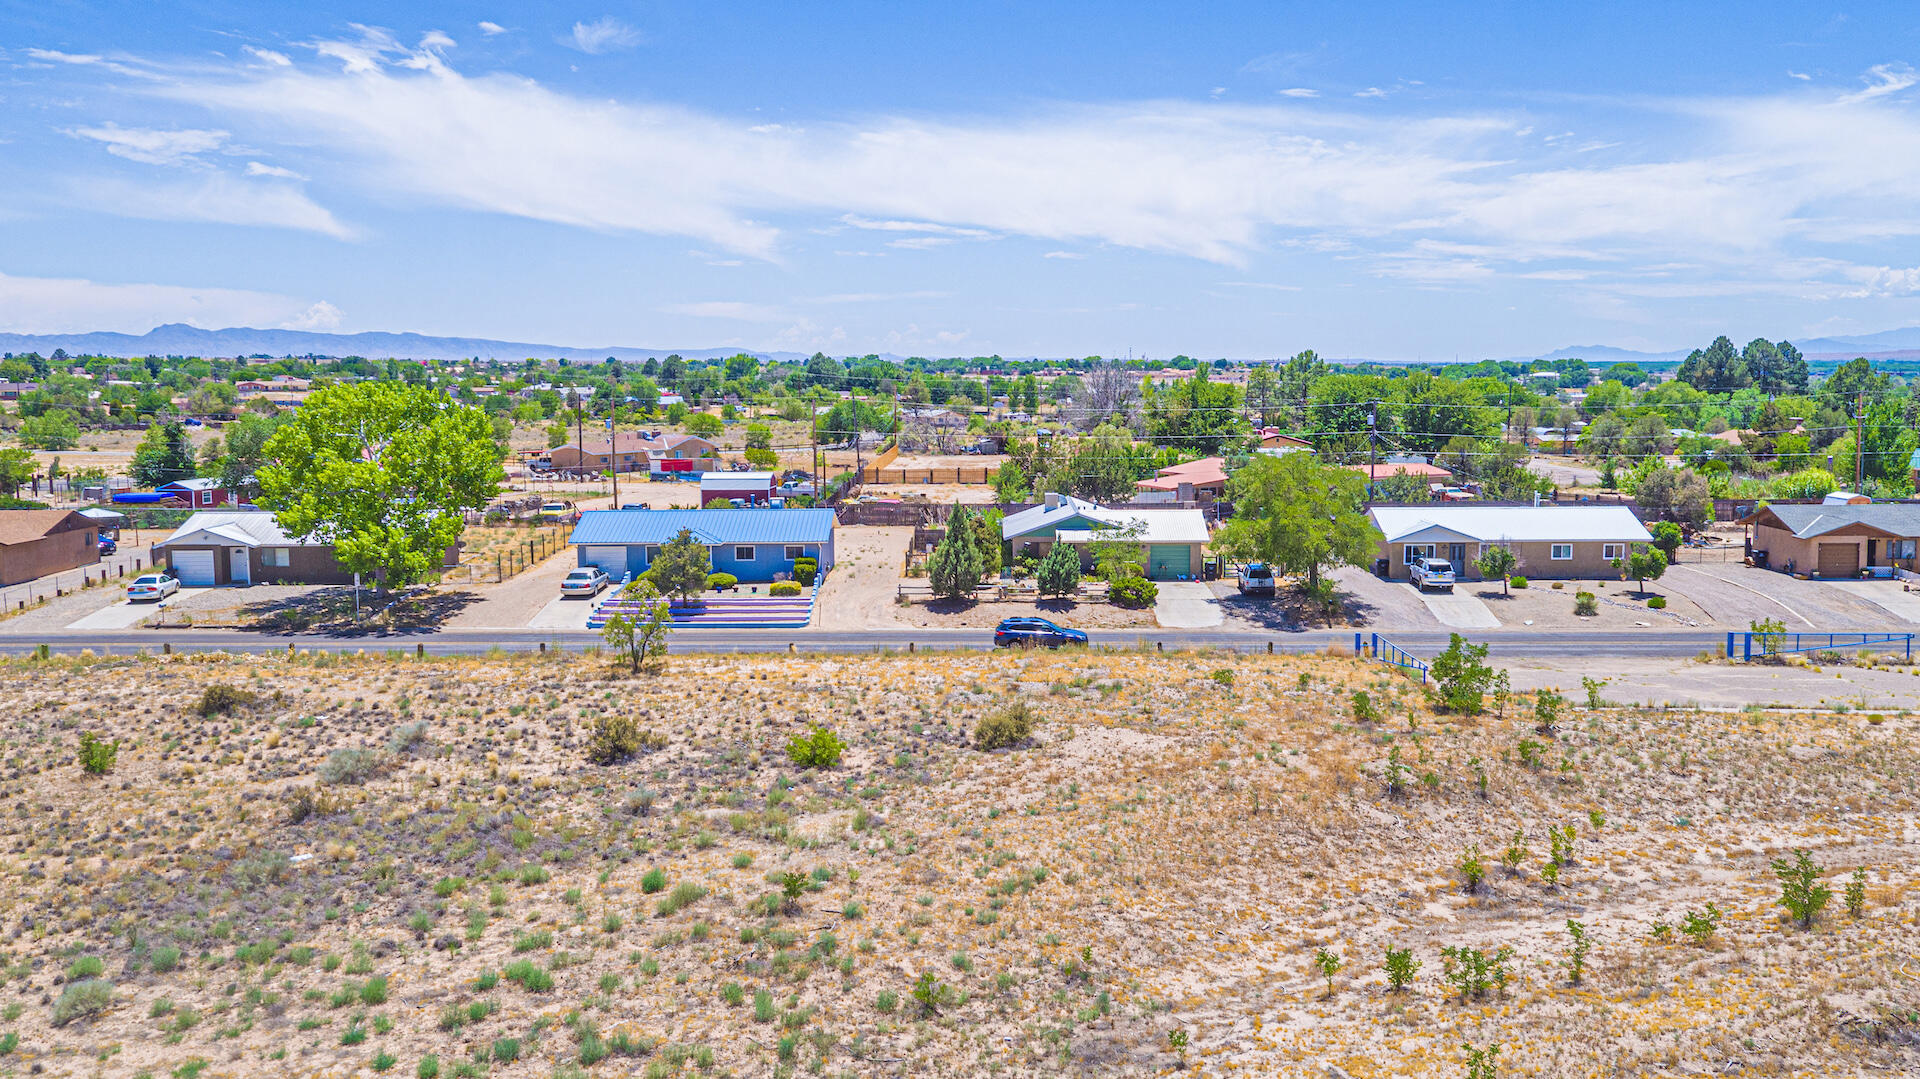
(274, 556)
(1613, 550)
(206, 498)
(1562, 552)
(653, 553)
(795, 551)
(743, 554)
(1415, 552)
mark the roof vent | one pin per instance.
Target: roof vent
(1053, 500)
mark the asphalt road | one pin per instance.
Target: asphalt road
(1502, 643)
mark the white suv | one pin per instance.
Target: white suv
(1431, 573)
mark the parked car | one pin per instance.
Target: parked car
(585, 581)
(1256, 579)
(107, 545)
(1035, 631)
(559, 512)
(154, 586)
(794, 487)
(1431, 573)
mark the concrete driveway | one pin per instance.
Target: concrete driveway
(1736, 595)
(565, 612)
(1458, 609)
(126, 614)
(1187, 605)
(1887, 595)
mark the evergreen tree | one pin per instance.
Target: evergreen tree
(164, 455)
(1059, 572)
(954, 568)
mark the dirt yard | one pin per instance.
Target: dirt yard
(1620, 605)
(335, 866)
(971, 494)
(1070, 613)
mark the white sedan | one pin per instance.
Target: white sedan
(153, 586)
(585, 581)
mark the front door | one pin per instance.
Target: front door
(238, 562)
(1457, 554)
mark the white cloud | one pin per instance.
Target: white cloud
(320, 315)
(1882, 80)
(1802, 76)
(76, 305)
(1063, 255)
(215, 198)
(930, 227)
(1371, 91)
(256, 168)
(1299, 91)
(491, 28)
(55, 56)
(737, 310)
(268, 56)
(604, 34)
(150, 146)
(436, 39)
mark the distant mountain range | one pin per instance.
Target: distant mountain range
(179, 339)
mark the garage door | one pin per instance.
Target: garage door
(612, 560)
(194, 568)
(1839, 560)
(1169, 561)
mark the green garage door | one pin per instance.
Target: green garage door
(1168, 561)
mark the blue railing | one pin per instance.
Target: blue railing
(1389, 653)
(1745, 646)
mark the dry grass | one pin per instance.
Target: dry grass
(1170, 854)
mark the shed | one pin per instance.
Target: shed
(751, 544)
(202, 493)
(34, 543)
(752, 488)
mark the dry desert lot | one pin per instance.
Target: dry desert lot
(344, 866)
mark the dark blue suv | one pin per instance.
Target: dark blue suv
(1031, 631)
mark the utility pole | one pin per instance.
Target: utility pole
(1859, 434)
(813, 461)
(1373, 447)
(613, 453)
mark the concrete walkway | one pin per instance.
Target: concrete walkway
(1459, 610)
(1887, 595)
(1187, 605)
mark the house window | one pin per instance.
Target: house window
(206, 498)
(1902, 548)
(795, 551)
(1415, 550)
(1613, 550)
(1561, 552)
(274, 556)
(743, 554)
(653, 553)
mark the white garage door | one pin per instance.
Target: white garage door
(611, 559)
(194, 568)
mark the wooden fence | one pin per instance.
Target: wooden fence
(929, 475)
(888, 454)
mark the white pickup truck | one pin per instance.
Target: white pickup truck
(1431, 573)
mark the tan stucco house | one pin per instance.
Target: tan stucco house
(1547, 540)
(1837, 541)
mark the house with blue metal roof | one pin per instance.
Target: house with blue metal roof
(751, 544)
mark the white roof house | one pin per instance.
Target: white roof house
(1172, 538)
(1509, 524)
(237, 528)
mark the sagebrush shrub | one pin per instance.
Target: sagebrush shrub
(615, 738)
(1009, 727)
(221, 699)
(81, 1000)
(351, 764)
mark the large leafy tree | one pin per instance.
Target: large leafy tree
(164, 455)
(17, 467)
(246, 445)
(1298, 515)
(384, 472)
(1716, 369)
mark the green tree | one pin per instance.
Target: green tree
(1462, 676)
(56, 429)
(1010, 483)
(704, 425)
(1644, 566)
(1667, 537)
(1299, 516)
(246, 452)
(1717, 369)
(1497, 562)
(164, 455)
(680, 569)
(1676, 495)
(17, 468)
(760, 453)
(1059, 572)
(953, 570)
(385, 472)
(641, 636)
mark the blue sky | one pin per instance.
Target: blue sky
(1388, 181)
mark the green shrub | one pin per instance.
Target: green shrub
(1586, 604)
(1699, 926)
(887, 1001)
(684, 894)
(615, 738)
(164, 958)
(653, 880)
(351, 764)
(1364, 710)
(1856, 892)
(1474, 973)
(221, 699)
(1401, 967)
(1657, 603)
(1011, 726)
(1133, 592)
(1800, 889)
(1517, 582)
(718, 581)
(87, 966)
(784, 588)
(383, 1060)
(97, 757)
(81, 1000)
(820, 749)
(805, 570)
(8, 1043)
(429, 1068)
